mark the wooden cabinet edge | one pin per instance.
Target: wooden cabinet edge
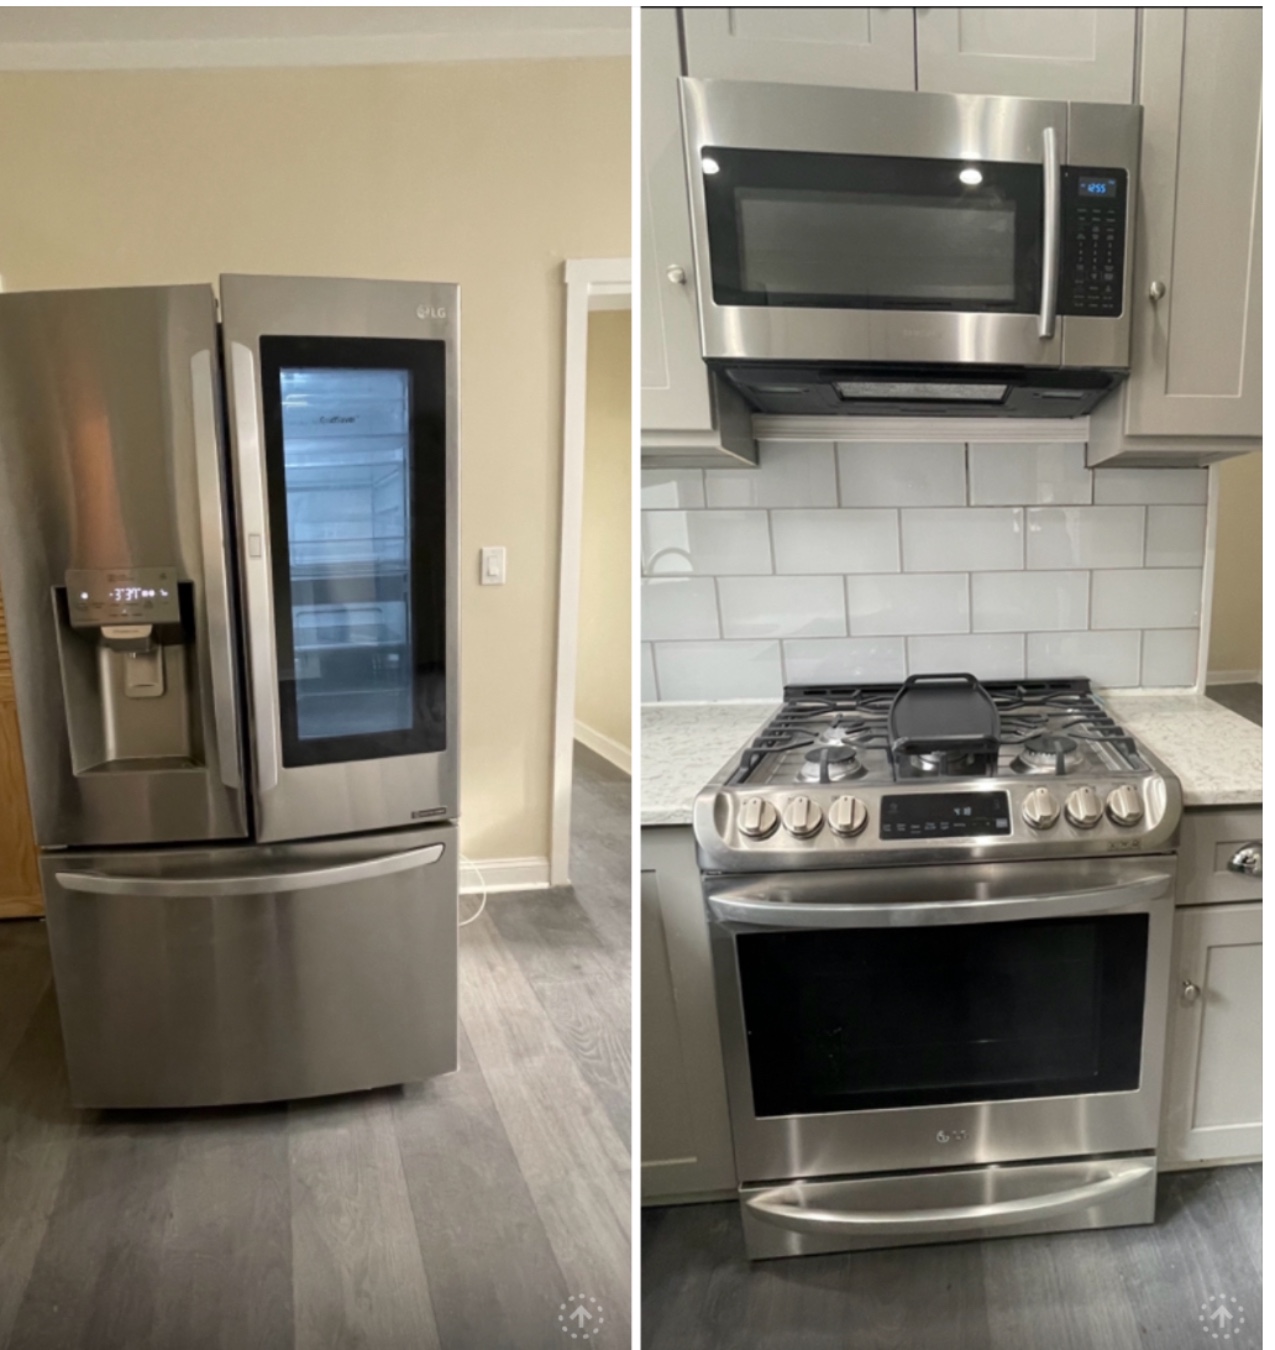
(1111, 447)
(729, 445)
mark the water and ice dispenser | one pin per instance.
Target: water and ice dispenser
(123, 638)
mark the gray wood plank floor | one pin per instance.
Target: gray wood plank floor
(459, 1213)
(1119, 1289)
(1245, 699)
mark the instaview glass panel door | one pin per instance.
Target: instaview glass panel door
(356, 486)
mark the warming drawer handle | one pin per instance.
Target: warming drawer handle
(1053, 228)
(756, 913)
(252, 883)
(781, 1207)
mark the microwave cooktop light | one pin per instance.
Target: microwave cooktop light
(710, 165)
(971, 176)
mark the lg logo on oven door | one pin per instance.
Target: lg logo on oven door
(952, 1136)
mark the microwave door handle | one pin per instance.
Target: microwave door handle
(1053, 229)
(738, 910)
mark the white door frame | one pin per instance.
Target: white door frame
(592, 283)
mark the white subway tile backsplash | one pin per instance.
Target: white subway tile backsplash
(650, 689)
(705, 543)
(890, 473)
(1148, 486)
(764, 607)
(1175, 536)
(672, 489)
(1156, 597)
(815, 660)
(1170, 657)
(844, 561)
(988, 656)
(902, 604)
(1110, 660)
(788, 474)
(835, 541)
(1029, 475)
(694, 671)
(966, 540)
(679, 607)
(1008, 602)
(1085, 536)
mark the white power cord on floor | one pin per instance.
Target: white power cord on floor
(482, 904)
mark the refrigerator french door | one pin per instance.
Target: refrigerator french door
(228, 560)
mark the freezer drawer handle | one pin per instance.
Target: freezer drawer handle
(253, 883)
(758, 913)
(782, 1208)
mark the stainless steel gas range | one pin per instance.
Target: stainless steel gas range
(940, 921)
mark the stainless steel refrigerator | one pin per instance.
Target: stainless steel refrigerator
(228, 559)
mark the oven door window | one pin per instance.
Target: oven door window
(872, 232)
(869, 1019)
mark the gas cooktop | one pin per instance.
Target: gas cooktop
(940, 767)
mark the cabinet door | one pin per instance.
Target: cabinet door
(1085, 55)
(866, 48)
(1213, 1091)
(19, 871)
(1197, 350)
(686, 1145)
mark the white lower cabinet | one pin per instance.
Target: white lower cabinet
(686, 1145)
(1213, 1088)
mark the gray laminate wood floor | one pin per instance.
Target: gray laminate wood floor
(1245, 699)
(1120, 1289)
(457, 1214)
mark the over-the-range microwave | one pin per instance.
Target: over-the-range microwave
(869, 252)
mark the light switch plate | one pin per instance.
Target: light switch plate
(492, 567)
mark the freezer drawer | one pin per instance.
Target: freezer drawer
(200, 977)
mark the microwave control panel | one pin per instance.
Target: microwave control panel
(1091, 267)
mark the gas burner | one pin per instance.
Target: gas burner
(831, 764)
(1048, 754)
(857, 732)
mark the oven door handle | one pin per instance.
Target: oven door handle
(783, 1208)
(748, 911)
(1053, 229)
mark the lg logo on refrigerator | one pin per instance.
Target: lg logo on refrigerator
(431, 311)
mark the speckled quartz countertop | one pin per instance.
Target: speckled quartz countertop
(1217, 754)
(683, 746)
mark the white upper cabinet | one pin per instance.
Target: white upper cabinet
(1197, 349)
(866, 48)
(1082, 55)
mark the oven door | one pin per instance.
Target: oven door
(924, 1018)
(856, 225)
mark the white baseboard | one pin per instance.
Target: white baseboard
(619, 755)
(504, 874)
(1233, 677)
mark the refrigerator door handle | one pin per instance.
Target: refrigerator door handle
(251, 883)
(221, 656)
(256, 567)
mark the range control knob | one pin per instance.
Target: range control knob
(757, 817)
(1084, 810)
(1040, 809)
(848, 816)
(1124, 806)
(802, 817)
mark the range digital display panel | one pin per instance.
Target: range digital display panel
(944, 815)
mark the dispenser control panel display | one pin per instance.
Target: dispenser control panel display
(122, 595)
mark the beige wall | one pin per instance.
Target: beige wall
(604, 678)
(1235, 640)
(489, 174)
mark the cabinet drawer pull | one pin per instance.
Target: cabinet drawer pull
(1190, 992)
(1247, 860)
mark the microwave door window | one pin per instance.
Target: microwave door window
(356, 493)
(868, 232)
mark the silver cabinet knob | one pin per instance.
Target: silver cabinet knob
(757, 817)
(1247, 860)
(802, 817)
(1040, 809)
(1124, 806)
(677, 275)
(848, 816)
(1084, 810)
(1190, 992)
(1158, 289)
